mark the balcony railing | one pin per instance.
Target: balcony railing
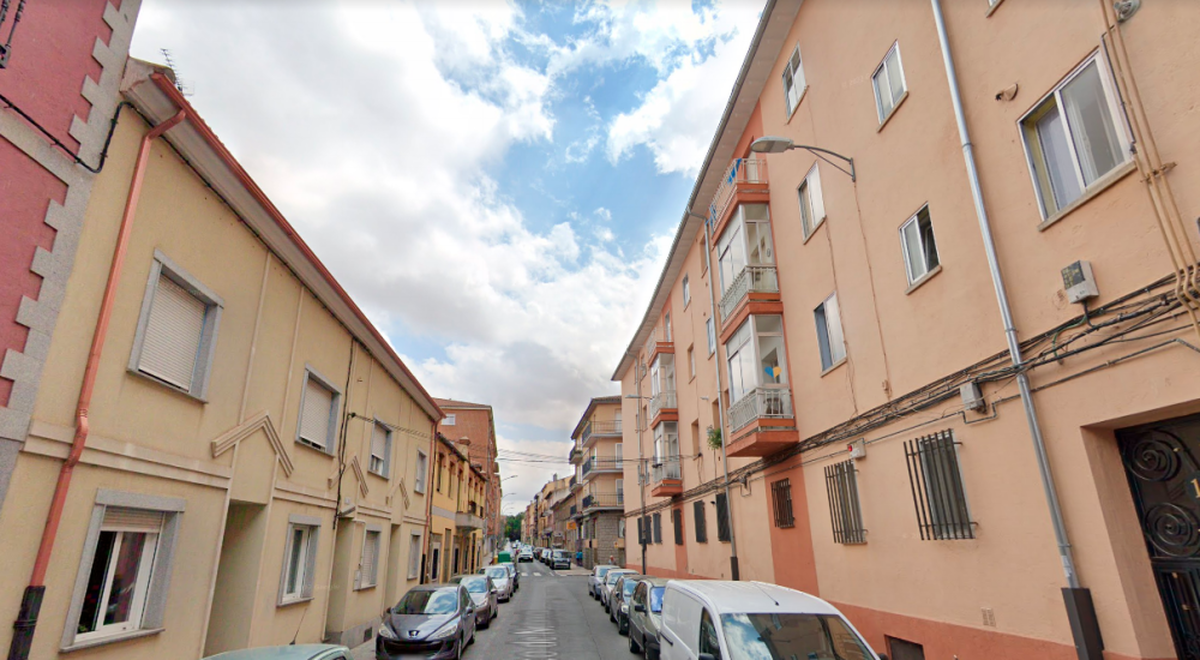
(593, 464)
(598, 427)
(752, 279)
(741, 170)
(664, 400)
(668, 469)
(759, 403)
(604, 501)
(574, 510)
(468, 521)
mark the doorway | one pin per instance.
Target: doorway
(435, 553)
(237, 578)
(1162, 463)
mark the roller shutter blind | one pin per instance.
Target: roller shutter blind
(132, 520)
(314, 418)
(172, 341)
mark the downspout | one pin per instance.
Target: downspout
(734, 571)
(642, 478)
(31, 601)
(1083, 624)
(429, 463)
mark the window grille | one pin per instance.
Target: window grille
(722, 518)
(844, 513)
(677, 521)
(781, 496)
(937, 487)
(700, 522)
(658, 528)
(641, 533)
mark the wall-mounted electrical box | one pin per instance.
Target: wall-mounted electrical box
(857, 449)
(1079, 281)
(972, 397)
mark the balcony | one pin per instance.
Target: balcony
(594, 428)
(465, 520)
(658, 343)
(596, 501)
(755, 284)
(663, 404)
(574, 511)
(762, 422)
(745, 181)
(593, 466)
(666, 478)
(575, 455)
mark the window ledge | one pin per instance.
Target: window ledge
(992, 8)
(833, 366)
(803, 93)
(93, 643)
(312, 448)
(366, 587)
(1097, 187)
(891, 114)
(293, 601)
(168, 386)
(923, 279)
(820, 223)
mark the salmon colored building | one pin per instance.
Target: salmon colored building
(947, 342)
(224, 452)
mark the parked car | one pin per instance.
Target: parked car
(560, 560)
(645, 616)
(525, 555)
(484, 593)
(706, 619)
(298, 652)
(434, 621)
(609, 580)
(513, 573)
(502, 580)
(597, 578)
(622, 592)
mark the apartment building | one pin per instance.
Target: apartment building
(224, 451)
(473, 426)
(60, 69)
(599, 479)
(456, 520)
(948, 346)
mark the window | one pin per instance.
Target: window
(842, 485)
(699, 521)
(889, 83)
(781, 497)
(667, 328)
(687, 292)
(677, 523)
(812, 201)
(920, 249)
(793, 81)
(691, 363)
(125, 569)
(756, 358)
(414, 556)
(318, 413)
(381, 450)
(937, 487)
(746, 244)
(900, 649)
(450, 420)
(441, 468)
(658, 528)
(300, 559)
(1073, 138)
(829, 333)
(712, 335)
(368, 563)
(708, 636)
(723, 517)
(621, 528)
(641, 532)
(177, 329)
(422, 470)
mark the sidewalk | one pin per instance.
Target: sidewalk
(364, 651)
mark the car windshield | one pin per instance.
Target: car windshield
(601, 571)
(440, 601)
(612, 577)
(628, 586)
(786, 636)
(475, 585)
(656, 596)
(497, 572)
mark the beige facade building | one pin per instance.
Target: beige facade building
(241, 461)
(952, 360)
(456, 514)
(597, 452)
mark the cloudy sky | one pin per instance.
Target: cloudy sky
(496, 184)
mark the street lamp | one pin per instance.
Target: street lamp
(773, 144)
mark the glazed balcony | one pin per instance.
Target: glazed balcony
(745, 180)
(593, 466)
(762, 422)
(658, 343)
(598, 501)
(663, 402)
(754, 283)
(597, 428)
(666, 478)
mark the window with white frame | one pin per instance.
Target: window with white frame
(888, 80)
(299, 559)
(368, 563)
(125, 568)
(422, 472)
(450, 420)
(793, 81)
(712, 335)
(620, 528)
(381, 450)
(812, 201)
(829, 332)
(745, 242)
(687, 292)
(755, 355)
(667, 328)
(177, 329)
(1075, 136)
(920, 248)
(414, 555)
(318, 410)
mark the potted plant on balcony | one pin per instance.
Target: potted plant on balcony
(714, 438)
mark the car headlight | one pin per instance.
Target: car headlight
(386, 632)
(624, 608)
(445, 631)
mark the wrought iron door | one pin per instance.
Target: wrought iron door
(1162, 462)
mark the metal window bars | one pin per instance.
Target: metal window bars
(844, 512)
(722, 518)
(677, 522)
(937, 487)
(658, 528)
(700, 521)
(6, 47)
(781, 496)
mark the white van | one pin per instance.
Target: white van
(722, 620)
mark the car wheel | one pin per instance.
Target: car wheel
(622, 626)
(633, 645)
(459, 651)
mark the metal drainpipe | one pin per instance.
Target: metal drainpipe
(31, 600)
(642, 478)
(734, 571)
(1083, 624)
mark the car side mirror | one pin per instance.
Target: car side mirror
(882, 656)
(638, 607)
(706, 656)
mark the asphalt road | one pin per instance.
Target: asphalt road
(551, 617)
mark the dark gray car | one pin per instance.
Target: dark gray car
(645, 616)
(622, 591)
(434, 621)
(484, 594)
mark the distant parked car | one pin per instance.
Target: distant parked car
(712, 618)
(645, 616)
(484, 594)
(434, 621)
(597, 578)
(560, 560)
(298, 652)
(514, 573)
(502, 580)
(622, 592)
(525, 555)
(607, 587)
